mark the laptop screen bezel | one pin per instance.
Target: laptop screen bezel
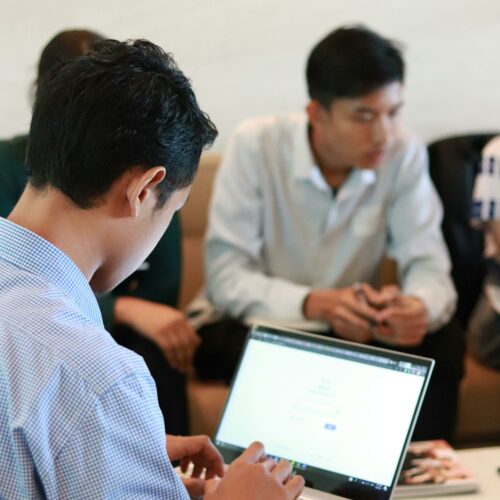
(230, 452)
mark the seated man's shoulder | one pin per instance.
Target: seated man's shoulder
(408, 153)
(407, 142)
(269, 127)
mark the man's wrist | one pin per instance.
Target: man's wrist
(307, 309)
(315, 305)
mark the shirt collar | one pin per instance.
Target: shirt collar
(304, 166)
(30, 252)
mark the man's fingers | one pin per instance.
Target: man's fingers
(171, 358)
(394, 313)
(211, 472)
(389, 293)
(350, 332)
(269, 464)
(282, 471)
(197, 470)
(385, 331)
(359, 308)
(374, 297)
(406, 325)
(195, 487)
(351, 318)
(253, 454)
(175, 350)
(409, 336)
(294, 487)
(188, 340)
(211, 486)
(185, 461)
(409, 341)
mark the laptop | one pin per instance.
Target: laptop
(341, 413)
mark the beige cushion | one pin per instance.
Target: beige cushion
(194, 218)
(479, 405)
(206, 401)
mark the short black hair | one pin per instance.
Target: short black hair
(124, 105)
(64, 46)
(352, 61)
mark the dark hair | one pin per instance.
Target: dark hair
(63, 47)
(352, 62)
(124, 105)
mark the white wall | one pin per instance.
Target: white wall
(247, 57)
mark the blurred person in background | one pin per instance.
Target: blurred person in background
(305, 208)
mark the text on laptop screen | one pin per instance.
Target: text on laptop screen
(332, 408)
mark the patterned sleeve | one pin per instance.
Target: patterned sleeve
(486, 195)
(118, 450)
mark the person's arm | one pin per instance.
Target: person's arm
(166, 326)
(117, 448)
(416, 241)
(485, 213)
(493, 228)
(236, 277)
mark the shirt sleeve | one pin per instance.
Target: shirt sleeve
(118, 450)
(237, 282)
(415, 238)
(486, 195)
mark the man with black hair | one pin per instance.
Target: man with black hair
(305, 207)
(140, 313)
(114, 145)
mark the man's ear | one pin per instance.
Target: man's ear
(142, 186)
(315, 112)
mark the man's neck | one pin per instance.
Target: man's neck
(334, 173)
(55, 218)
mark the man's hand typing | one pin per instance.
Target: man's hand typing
(252, 475)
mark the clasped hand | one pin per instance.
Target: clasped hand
(360, 313)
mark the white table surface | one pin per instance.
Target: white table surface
(483, 463)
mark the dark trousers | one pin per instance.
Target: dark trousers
(170, 384)
(223, 341)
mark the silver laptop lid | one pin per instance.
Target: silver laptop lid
(342, 413)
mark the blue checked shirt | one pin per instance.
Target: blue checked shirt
(79, 416)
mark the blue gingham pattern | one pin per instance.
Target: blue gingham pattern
(486, 196)
(79, 416)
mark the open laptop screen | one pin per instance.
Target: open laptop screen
(341, 412)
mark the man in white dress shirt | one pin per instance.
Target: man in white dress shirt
(305, 208)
